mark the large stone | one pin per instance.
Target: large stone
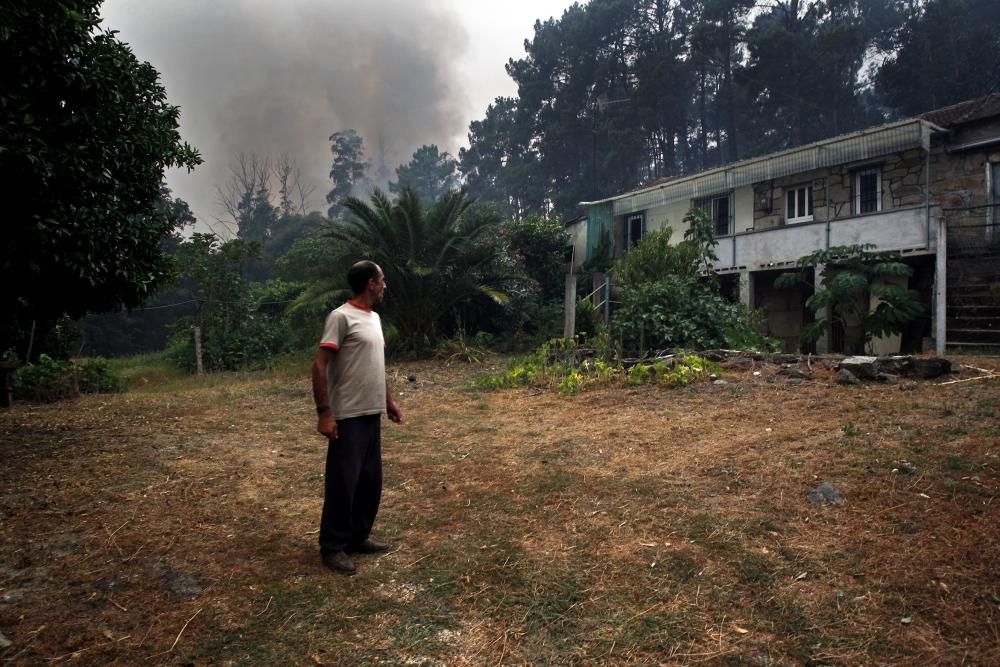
(739, 362)
(865, 368)
(784, 358)
(929, 367)
(825, 493)
(183, 584)
(895, 364)
(845, 376)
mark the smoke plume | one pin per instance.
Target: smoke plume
(257, 76)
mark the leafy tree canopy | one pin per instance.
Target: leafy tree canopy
(540, 244)
(348, 169)
(86, 134)
(431, 174)
(945, 54)
(435, 258)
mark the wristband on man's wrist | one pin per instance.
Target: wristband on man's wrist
(320, 409)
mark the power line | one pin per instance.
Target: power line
(215, 301)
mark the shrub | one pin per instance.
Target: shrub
(670, 296)
(460, 349)
(247, 331)
(682, 312)
(96, 376)
(47, 380)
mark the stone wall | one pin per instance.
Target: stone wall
(958, 180)
(832, 189)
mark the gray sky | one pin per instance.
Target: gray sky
(264, 77)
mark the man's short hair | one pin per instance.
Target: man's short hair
(359, 275)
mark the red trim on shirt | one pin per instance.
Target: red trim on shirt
(332, 346)
(364, 308)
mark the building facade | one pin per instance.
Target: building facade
(927, 187)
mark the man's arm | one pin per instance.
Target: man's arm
(391, 407)
(326, 426)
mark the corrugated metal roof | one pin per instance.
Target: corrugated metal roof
(873, 142)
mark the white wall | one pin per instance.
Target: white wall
(671, 215)
(744, 208)
(578, 239)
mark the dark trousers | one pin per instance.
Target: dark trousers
(353, 485)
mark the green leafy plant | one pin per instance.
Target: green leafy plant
(683, 312)
(46, 380)
(560, 364)
(87, 133)
(242, 324)
(98, 376)
(436, 259)
(852, 276)
(670, 296)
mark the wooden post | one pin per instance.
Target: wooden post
(569, 304)
(197, 340)
(7, 384)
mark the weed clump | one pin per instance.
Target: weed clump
(563, 364)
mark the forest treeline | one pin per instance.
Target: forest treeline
(616, 93)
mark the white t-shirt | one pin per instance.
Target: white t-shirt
(356, 375)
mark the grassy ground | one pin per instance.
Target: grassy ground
(177, 524)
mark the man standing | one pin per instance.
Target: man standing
(351, 393)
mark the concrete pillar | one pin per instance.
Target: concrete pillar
(941, 288)
(569, 305)
(746, 289)
(823, 342)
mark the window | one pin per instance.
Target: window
(720, 210)
(868, 190)
(799, 204)
(635, 227)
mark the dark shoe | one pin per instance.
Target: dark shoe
(371, 547)
(339, 561)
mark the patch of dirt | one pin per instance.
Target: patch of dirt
(629, 525)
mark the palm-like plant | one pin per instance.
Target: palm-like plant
(852, 277)
(434, 258)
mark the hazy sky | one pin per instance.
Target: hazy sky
(266, 77)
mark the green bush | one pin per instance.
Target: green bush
(47, 380)
(97, 376)
(679, 312)
(248, 330)
(670, 296)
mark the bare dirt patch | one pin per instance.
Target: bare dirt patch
(624, 525)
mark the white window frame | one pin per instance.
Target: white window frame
(710, 206)
(804, 215)
(877, 170)
(631, 218)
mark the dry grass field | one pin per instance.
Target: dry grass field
(176, 524)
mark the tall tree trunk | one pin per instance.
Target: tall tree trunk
(199, 368)
(732, 153)
(702, 120)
